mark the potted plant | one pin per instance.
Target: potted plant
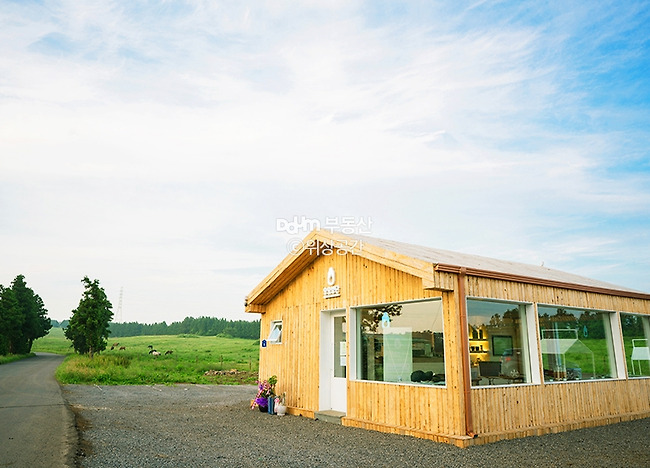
(266, 390)
(280, 404)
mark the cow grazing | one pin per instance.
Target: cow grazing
(168, 352)
(155, 353)
(122, 348)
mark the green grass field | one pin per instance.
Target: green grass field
(53, 342)
(191, 356)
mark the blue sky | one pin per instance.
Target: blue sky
(155, 145)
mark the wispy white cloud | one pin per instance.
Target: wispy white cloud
(155, 144)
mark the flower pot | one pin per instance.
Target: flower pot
(281, 410)
(262, 404)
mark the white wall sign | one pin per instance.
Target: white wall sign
(332, 289)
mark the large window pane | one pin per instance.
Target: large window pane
(636, 337)
(402, 342)
(498, 342)
(576, 344)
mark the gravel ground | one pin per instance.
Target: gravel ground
(201, 425)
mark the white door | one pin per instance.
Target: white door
(333, 366)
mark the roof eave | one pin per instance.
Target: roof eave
(540, 281)
(312, 247)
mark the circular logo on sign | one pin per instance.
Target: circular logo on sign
(331, 277)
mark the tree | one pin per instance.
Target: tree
(89, 325)
(11, 322)
(36, 323)
(23, 318)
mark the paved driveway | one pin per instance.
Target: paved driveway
(36, 427)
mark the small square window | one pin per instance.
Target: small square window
(275, 336)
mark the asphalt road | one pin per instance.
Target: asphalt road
(36, 426)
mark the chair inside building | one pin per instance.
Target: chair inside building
(489, 370)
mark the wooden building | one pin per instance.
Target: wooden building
(450, 347)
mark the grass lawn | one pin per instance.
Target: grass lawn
(191, 356)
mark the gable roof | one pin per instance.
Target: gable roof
(422, 262)
(445, 260)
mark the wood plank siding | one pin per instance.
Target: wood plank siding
(515, 411)
(293, 293)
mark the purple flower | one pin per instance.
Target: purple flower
(266, 389)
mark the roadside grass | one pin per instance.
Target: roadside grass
(7, 358)
(191, 356)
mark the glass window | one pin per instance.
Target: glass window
(340, 349)
(402, 342)
(498, 342)
(636, 339)
(576, 344)
(275, 336)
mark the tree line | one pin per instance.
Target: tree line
(90, 324)
(23, 317)
(203, 326)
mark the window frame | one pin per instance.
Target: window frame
(356, 342)
(528, 327)
(647, 338)
(275, 325)
(617, 346)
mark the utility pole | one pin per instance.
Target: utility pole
(119, 306)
